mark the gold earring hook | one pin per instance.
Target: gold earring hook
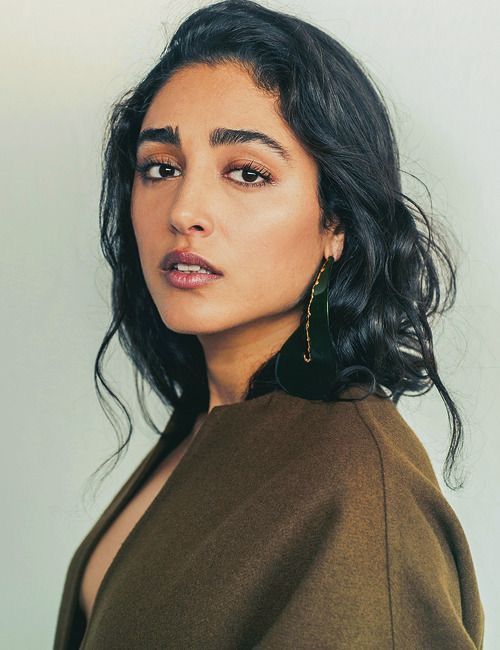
(307, 358)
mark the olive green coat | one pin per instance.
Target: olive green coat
(287, 524)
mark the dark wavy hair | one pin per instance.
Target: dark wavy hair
(395, 271)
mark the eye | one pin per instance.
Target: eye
(249, 173)
(164, 170)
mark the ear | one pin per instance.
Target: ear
(333, 241)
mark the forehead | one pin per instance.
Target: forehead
(222, 87)
(201, 97)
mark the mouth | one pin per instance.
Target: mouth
(185, 279)
(188, 262)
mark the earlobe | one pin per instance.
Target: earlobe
(333, 237)
(334, 245)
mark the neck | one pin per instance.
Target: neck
(232, 356)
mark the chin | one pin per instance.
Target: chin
(192, 325)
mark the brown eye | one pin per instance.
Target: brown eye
(250, 173)
(164, 170)
(159, 170)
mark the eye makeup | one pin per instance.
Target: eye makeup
(145, 167)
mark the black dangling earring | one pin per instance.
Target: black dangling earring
(306, 364)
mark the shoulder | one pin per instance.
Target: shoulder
(364, 459)
(380, 481)
(387, 542)
(363, 437)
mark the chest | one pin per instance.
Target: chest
(110, 542)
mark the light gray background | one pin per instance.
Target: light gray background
(63, 64)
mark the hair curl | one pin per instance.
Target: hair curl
(386, 285)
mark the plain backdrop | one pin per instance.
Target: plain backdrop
(63, 64)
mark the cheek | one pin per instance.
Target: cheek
(144, 225)
(279, 258)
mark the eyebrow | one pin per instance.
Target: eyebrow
(217, 137)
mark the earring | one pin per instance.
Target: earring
(306, 364)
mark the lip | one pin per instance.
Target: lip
(182, 280)
(187, 257)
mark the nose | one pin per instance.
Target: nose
(190, 209)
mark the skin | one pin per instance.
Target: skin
(266, 239)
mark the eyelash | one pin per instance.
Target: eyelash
(264, 173)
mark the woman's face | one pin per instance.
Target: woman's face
(265, 237)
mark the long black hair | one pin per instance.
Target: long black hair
(395, 271)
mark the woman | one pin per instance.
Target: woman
(269, 281)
